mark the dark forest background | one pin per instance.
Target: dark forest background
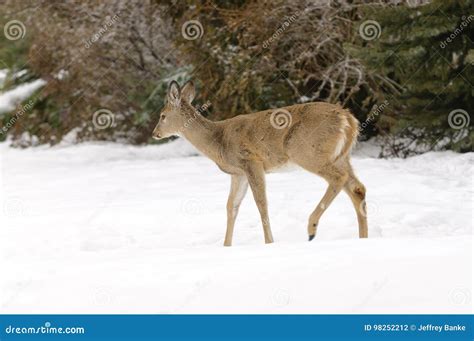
(404, 68)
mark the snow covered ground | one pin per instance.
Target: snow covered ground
(97, 228)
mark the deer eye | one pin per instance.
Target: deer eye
(163, 117)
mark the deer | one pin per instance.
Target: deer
(316, 136)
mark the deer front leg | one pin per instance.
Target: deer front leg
(256, 179)
(238, 188)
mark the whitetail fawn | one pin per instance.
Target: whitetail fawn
(315, 136)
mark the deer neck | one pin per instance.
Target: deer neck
(202, 133)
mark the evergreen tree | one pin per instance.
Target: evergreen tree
(427, 51)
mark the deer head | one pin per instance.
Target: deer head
(177, 110)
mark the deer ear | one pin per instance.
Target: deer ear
(189, 92)
(174, 93)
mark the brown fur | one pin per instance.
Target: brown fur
(319, 139)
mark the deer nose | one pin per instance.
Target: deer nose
(156, 136)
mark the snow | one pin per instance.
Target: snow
(3, 76)
(10, 99)
(109, 228)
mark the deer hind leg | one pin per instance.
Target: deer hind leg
(256, 178)
(356, 191)
(336, 178)
(238, 189)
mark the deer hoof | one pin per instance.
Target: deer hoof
(311, 237)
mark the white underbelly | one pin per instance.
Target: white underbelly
(284, 168)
